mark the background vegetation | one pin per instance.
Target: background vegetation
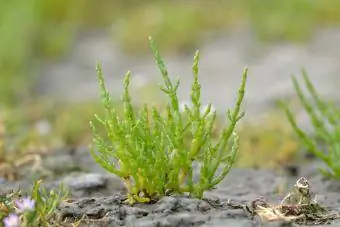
(33, 31)
(37, 29)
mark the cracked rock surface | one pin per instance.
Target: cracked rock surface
(220, 207)
(98, 196)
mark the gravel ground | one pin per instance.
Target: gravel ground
(99, 196)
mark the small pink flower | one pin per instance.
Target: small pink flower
(12, 220)
(25, 204)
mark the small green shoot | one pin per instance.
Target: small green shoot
(46, 203)
(325, 118)
(149, 151)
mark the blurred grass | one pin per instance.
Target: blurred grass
(176, 27)
(38, 29)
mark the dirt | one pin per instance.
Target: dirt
(97, 196)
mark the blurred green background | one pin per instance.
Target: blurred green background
(42, 29)
(36, 30)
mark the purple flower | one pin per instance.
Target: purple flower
(12, 220)
(25, 204)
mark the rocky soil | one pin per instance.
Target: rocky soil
(99, 196)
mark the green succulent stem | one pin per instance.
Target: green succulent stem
(325, 118)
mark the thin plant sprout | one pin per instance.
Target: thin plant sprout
(46, 203)
(148, 149)
(325, 119)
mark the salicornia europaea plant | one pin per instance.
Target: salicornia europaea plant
(325, 118)
(147, 149)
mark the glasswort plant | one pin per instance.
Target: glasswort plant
(325, 118)
(148, 151)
